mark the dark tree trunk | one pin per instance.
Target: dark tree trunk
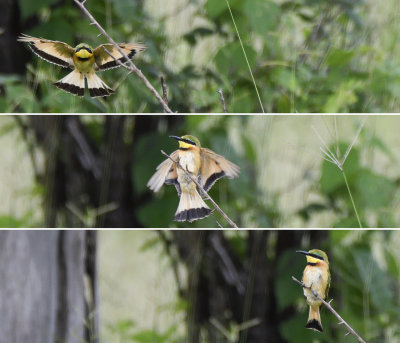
(88, 183)
(13, 54)
(42, 290)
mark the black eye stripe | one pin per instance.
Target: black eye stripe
(316, 256)
(188, 141)
(87, 49)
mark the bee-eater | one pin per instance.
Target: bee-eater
(203, 165)
(316, 275)
(84, 61)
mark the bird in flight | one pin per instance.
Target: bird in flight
(84, 62)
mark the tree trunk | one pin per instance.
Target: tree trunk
(42, 289)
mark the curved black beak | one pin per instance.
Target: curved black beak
(303, 252)
(176, 137)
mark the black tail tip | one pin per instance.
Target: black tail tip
(314, 325)
(99, 92)
(192, 214)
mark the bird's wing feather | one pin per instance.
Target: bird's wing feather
(105, 61)
(213, 167)
(166, 173)
(55, 52)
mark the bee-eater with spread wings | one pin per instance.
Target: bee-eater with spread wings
(316, 275)
(203, 165)
(84, 61)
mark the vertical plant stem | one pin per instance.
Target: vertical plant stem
(245, 56)
(351, 198)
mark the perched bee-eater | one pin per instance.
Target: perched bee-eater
(84, 61)
(316, 275)
(204, 165)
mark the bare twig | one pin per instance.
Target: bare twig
(164, 90)
(221, 95)
(231, 223)
(131, 66)
(330, 308)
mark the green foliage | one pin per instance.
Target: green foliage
(306, 56)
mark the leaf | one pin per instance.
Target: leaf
(264, 16)
(287, 291)
(124, 326)
(243, 101)
(215, 7)
(375, 281)
(343, 97)
(285, 78)
(125, 9)
(231, 60)
(339, 57)
(150, 336)
(7, 221)
(376, 191)
(160, 211)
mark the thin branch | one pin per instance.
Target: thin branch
(131, 66)
(221, 96)
(330, 308)
(164, 90)
(231, 223)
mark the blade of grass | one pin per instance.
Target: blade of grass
(245, 56)
(351, 198)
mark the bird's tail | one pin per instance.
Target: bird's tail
(73, 83)
(97, 87)
(191, 207)
(314, 319)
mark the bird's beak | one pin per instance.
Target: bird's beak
(176, 137)
(302, 252)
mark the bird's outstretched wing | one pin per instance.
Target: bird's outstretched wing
(105, 61)
(213, 167)
(55, 52)
(166, 173)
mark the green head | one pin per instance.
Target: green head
(315, 255)
(187, 141)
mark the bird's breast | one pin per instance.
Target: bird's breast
(83, 65)
(316, 278)
(190, 161)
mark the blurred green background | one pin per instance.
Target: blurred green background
(188, 293)
(305, 55)
(92, 171)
